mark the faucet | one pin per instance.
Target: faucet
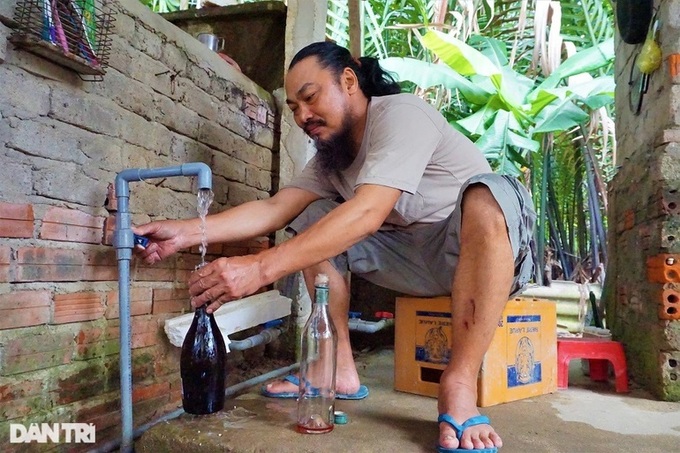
(124, 242)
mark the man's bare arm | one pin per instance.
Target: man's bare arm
(246, 221)
(343, 227)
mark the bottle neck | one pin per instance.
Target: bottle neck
(201, 314)
(321, 294)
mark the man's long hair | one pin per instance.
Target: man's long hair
(373, 80)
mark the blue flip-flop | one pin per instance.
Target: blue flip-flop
(358, 395)
(459, 429)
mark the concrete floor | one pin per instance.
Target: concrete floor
(587, 417)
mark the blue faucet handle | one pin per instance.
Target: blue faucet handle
(141, 240)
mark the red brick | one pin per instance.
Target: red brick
(186, 264)
(150, 391)
(80, 381)
(5, 262)
(629, 219)
(21, 407)
(37, 339)
(90, 333)
(170, 301)
(16, 228)
(22, 387)
(250, 246)
(145, 331)
(234, 250)
(16, 220)
(96, 340)
(5, 254)
(109, 228)
(144, 340)
(61, 224)
(140, 302)
(16, 211)
(145, 410)
(155, 273)
(168, 362)
(176, 391)
(257, 245)
(100, 265)
(113, 329)
(59, 265)
(47, 264)
(143, 360)
(105, 421)
(98, 349)
(77, 307)
(213, 249)
(24, 308)
(103, 415)
(35, 349)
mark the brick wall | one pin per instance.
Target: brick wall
(644, 215)
(165, 100)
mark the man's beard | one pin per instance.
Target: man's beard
(337, 152)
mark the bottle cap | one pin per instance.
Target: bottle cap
(340, 418)
(321, 279)
(141, 240)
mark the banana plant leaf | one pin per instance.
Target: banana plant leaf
(462, 58)
(427, 75)
(584, 61)
(594, 93)
(559, 117)
(494, 49)
(498, 139)
(513, 91)
(475, 124)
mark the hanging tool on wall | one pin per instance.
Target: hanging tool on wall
(644, 64)
(649, 58)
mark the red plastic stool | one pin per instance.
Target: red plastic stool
(599, 352)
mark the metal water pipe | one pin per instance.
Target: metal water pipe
(123, 241)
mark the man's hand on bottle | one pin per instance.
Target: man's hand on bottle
(224, 280)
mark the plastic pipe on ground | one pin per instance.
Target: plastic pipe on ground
(369, 326)
(264, 337)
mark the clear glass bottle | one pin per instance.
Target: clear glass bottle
(316, 403)
(203, 365)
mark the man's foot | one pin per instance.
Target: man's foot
(459, 401)
(348, 386)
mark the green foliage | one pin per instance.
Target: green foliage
(483, 69)
(508, 110)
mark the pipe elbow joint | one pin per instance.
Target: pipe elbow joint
(201, 171)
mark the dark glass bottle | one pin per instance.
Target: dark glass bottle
(318, 358)
(202, 365)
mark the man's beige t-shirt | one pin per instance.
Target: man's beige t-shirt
(408, 145)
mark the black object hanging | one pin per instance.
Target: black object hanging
(633, 18)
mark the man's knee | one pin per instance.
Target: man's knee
(481, 210)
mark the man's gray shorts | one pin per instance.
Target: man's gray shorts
(421, 261)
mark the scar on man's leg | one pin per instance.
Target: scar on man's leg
(474, 307)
